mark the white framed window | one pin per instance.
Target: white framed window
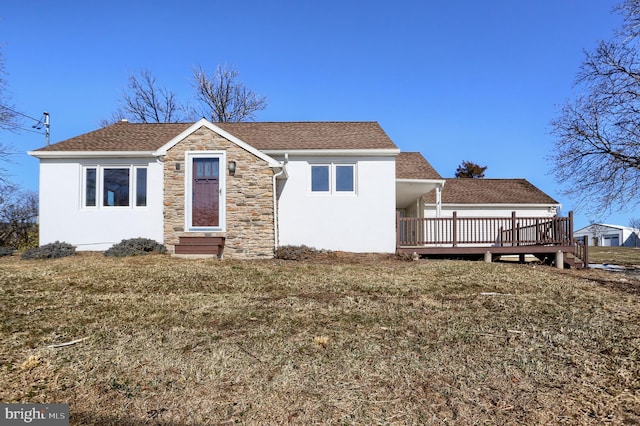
(114, 186)
(332, 178)
(345, 178)
(141, 186)
(320, 178)
(90, 180)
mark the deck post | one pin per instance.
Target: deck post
(455, 229)
(513, 228)
(559, 259)
(487, 257)
(398, 240)
(571, 226)
(585, 242)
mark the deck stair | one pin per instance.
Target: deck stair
(200, 245)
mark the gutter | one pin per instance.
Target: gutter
(282, 172)
(91, 154)
(389, 152)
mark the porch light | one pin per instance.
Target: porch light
(232, 168)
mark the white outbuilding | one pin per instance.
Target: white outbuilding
(605, 235)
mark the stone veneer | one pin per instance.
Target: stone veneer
(249, 198)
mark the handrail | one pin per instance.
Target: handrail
(497, 231)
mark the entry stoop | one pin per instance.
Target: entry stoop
(200, 245)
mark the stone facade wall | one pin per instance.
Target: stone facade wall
(249, 197)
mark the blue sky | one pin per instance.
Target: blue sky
(456, 80)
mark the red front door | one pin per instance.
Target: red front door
(205, 202)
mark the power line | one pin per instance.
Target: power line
(19, 113)
(43, 121)
(30, 130)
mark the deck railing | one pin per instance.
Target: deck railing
(497, 231)
(582, 251)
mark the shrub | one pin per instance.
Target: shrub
(6, 251)
(135, 247)
(295, 252)
(50, 251)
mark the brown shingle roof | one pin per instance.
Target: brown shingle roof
(490, 191)
(122, 137)
(263, 136)
(412, 165)
(310, 135)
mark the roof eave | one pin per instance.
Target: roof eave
(381, 152)
(520, 205)
(436, 181)
(91, 154)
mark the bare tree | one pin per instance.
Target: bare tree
(224, 98)
(18, 208)
(597, 145)
(144, 102)
(634, 223)
(9, 120)
(597, 230)
(468, 169)
(18, 217)
(8, 117)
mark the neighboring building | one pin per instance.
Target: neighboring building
(600, 234)
(243, 189)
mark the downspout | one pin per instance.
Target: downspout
(276, 231)
(439, 201)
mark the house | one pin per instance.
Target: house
(243, 189)
(247, 187)
(600, 234)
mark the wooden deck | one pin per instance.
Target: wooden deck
(542, 237)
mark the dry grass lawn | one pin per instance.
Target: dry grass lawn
(340, 341)
(615, 255)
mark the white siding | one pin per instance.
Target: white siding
(364, 222)
(63, 218)
(491, 211)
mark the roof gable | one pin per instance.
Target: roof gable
(205, 123)
(490, 191)
(599, 226)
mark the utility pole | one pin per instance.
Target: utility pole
(47, 132)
